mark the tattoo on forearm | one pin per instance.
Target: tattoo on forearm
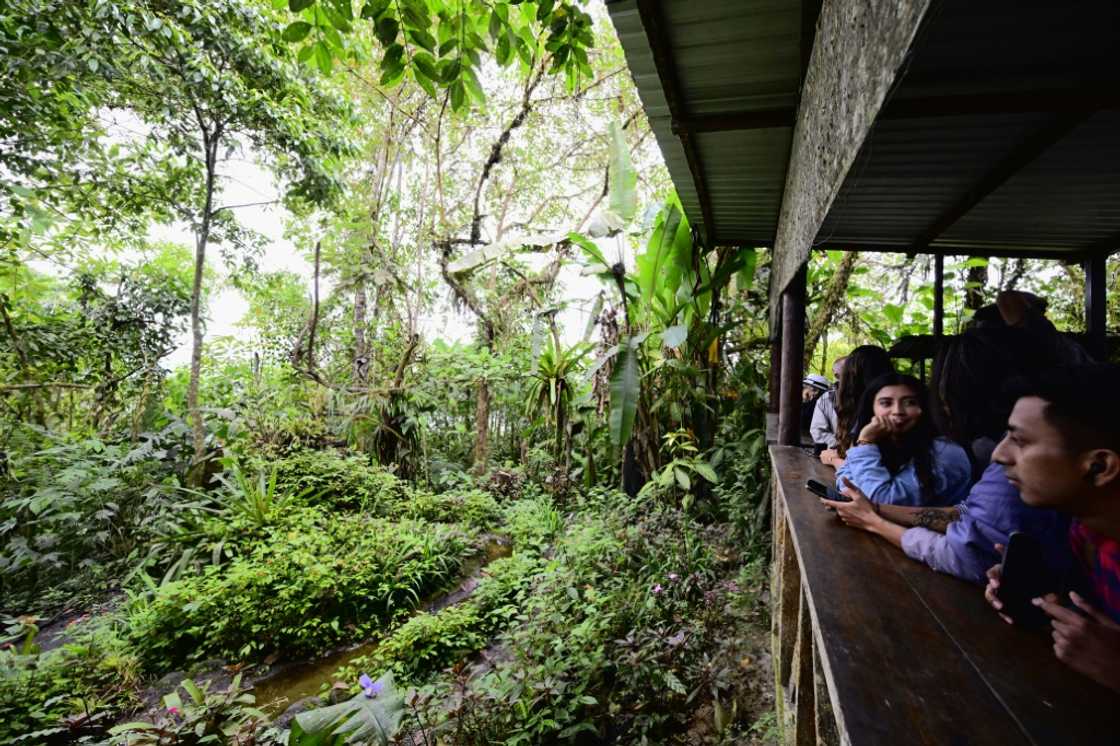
(936, 519)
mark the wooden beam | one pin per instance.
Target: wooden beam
(857, 56)
(793, 354)
(1096, 318)
(1018, 159)
(654, 24)
(938, 295)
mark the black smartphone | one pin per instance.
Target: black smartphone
(1024, 577)
(823, 490)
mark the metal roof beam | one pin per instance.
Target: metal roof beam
(1018, 159)
(654, 24)
(1041, 102)
(1068, 256)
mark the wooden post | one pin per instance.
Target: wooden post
(793, 356)
(775, 375)
(938, 295)
(1096, 317)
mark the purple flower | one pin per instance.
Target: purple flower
(674, 576)
(369, 686)
(173, 711)
(657, 589)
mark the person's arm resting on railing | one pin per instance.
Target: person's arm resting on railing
(888, 521)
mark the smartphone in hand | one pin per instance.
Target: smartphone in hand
(823, 490)
(1024, 576)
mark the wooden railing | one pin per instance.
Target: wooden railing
(870, 647)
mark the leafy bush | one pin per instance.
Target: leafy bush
(471, 507)
(614, 635)
(66, 692)
(309, 584)
(343, 482)
(431, 641)
(205, 717)
(69, 508)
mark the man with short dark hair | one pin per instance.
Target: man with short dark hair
(1062, 450)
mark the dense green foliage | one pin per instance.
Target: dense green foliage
(460, 384)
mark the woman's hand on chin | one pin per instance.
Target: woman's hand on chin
(878, 429)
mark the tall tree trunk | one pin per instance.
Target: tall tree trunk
(361, 349)
(482, 426)
(829, 305)
(198, 427)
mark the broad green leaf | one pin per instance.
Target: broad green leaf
(359, 720)
(374, 9)
(746, 275)
(623, 177)
(458, 95)
(386, 31)
(590, 249)
(296, 31)
(323, 57)
(192, 689)
(651, 265)
(892, 312)
(705, 471)
(297, 5)
(682, 478)
(625, 388)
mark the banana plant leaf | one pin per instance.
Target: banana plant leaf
(625, 389)
(360, 720)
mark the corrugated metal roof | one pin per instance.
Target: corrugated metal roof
(958, 179)
(730, 55)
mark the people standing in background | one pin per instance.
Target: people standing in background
(813, 387)
(822, 427)
(863, 365)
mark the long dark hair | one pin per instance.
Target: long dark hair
(916, 444)
(970, 373)
(864, 364)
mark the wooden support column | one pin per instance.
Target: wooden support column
(793, 357)
(938, 295)
(775, 375)
(1096, 317)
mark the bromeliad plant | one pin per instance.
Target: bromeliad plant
(554, 386)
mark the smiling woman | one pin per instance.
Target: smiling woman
(898, 458)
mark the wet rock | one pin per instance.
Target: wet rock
(285, 719)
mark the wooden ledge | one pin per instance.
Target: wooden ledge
(892, 652)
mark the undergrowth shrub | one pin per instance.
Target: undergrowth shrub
(429, 642)
(472, 507)
(310, 584)
(615, 636)
(67, 509)
(68, 692)
(342, 482)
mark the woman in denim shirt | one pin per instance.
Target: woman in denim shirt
(968, 375)
(898, 458)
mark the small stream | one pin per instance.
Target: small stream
(292, 682)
